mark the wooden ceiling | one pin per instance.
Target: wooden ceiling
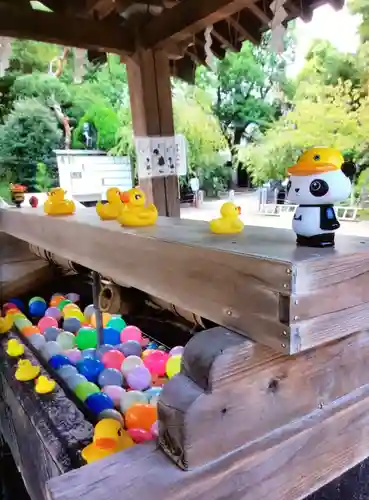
(123, 26)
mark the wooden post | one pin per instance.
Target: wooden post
(152, 115)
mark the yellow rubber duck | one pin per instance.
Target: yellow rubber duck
(44, 385)
(110, 210)
(56, 204)
(6, 323)
(14, 348)
(229, 222)
(109, 437)
(26, 371)
(133, 212)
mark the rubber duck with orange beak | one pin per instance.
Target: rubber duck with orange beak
(134, 212)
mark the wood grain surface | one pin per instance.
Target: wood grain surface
(286, 465)
(241, 391)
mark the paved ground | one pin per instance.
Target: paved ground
(249, 203)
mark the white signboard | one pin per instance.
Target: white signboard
(161, 156)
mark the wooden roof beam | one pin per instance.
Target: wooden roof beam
(64, 30)
(189, 16)
(244, 34)
(226, 39)
(260, 14)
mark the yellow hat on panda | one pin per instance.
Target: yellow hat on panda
(317, 160)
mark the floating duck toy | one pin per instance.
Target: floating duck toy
(14, 348)
(109, 437)
(56, 204)
(26, 371)
(319, 179)
(44, 385)
(111, 209)
(229, 222)
(134, 213)
(6, 323)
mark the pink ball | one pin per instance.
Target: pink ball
(113, 359)
(53, 312)
(131, 333)
(114, 392)
(156, 362)
(140, 435)
(145, 341)
(46, 322)
(155, 429)
(139, 378)
(74, 355)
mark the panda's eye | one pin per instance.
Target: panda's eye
(319, 187)
(315, 186)
(316, 158)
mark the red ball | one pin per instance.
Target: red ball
(156, 362)
(8, 306)
(113, 359)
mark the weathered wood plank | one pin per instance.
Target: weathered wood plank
(242, 391)
(286, 465)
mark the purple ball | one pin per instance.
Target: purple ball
(139, 378)
(53, 312)
(131, 348)
(51, 333)
(99, 402)
(72, 325)
(110, 376)
(177, 350)
(90, 368)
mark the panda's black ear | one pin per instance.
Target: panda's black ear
(349, 169)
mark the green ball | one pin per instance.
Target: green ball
(116, 323)
(86, 338)
(85, 389)
(63, 303)
(38, 299)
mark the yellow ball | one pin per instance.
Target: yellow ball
(173, 365)
(75, 313)
(105, 318)
(70, 307)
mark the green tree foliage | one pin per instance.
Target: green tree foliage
(28, 56)
(361, 7)
(46, 88)
(28, 136)
(43, 179)
(321, 115)
(105, 121)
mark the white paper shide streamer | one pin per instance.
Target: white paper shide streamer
(276, 26)
(5, 53)
(80, 57)
(209, 59)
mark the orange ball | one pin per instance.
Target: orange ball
(55, 301)
(105, 318)
(70, 307)
(30, 330)
(141, 416)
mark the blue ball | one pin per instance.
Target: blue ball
(67, 371)
(130, 348)
(18, 303)
(51, 333)
(89, 353)
(58, 361)
(37, 308)
(90, 368)
(72, 325)
(111, 336)
(152, 345)
(99, 402)
(110, 376)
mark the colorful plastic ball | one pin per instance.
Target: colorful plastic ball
(105, 318)
(140, 435)
(37, 309)
(131, 398)
(70, 309)
(58, 361)
(147, 352)
(73, 297)
(130, 364)
(155, 429)
(18, 303)
(89, 311)
(173, 365)
(67, 371)
(111, 336)
(51, 349)
(99, 402)
(37, 340)
(156, 362)
(21, 323)
(153, 394)
(53, 312)
(109, 413)
(66, 340)
(47, 322)
(113, 359)
(130, 348)
(100, 351)
(30, 330)
(36, 299)
(62, 304)
(145, 341)
(75, 380)
(86, 338)
(176, 351)
(56, 299)
(140, 416)
(72, 324)
(51, 333)
(110, 376)
(85, 390)
(90, 368)
(117, 323)
(152, 345)
(74, 355)
(139, 378)
(131, 333)
(115, 392)
(89, 353)
(8, 307)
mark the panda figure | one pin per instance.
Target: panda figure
(319, 179)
